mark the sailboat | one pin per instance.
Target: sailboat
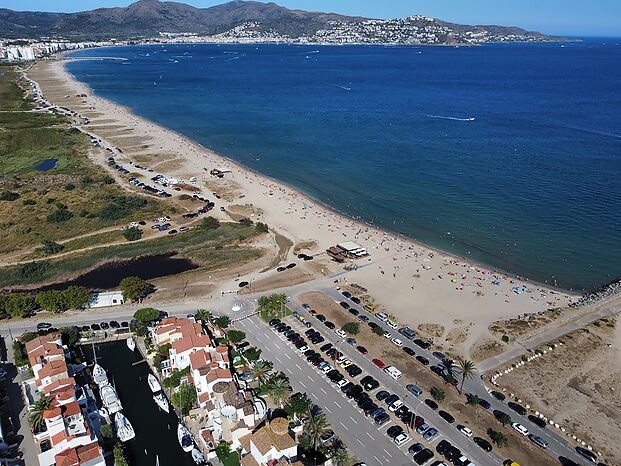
(153, 383)
(162, 402)
(99, 375)
(185, 438)
(124, 428)
(131, 344)
(197, 456)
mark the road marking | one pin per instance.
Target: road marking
(277, 359)
(360, 442)
(288, 357)
(344, 426)
(328, 409)
(377, 459)
(371, 437)
(336, 403)
(324, 392)
(296, 365)
(387, 453)
(355, 422)
(302, 383)
(309, 377)
(289, 370)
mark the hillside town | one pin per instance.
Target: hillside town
(29, 50)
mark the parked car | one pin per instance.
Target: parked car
(430, 434)
(382, 395)
(520, 428)
(424, 361)
(586, 454)
(465, 430)
(379, 363)
(484, 444)
(423, 456)
(362, 350)
(537, 421)
(521, 410)
(538, 441)
(446, 416)
(484, 404)
(408, 350)
(415, 448)
(432, 404)
(499, 396)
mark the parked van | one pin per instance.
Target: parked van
(393, 372)
(382, 316)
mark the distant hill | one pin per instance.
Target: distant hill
(245, 20)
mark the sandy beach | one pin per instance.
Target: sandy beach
(415, 284)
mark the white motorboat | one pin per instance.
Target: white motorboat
(197, 456)
(162, 402)
(153, 383)
(185, 438)
(110, 399)
(99, 375)
(124, 428)
(131, 344)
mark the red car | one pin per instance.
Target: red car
(362, 349)
(379, 363)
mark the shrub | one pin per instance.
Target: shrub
(472, 400)
(174, 379)
(252, 354)
(121, 206)
(134, 288)
(261, 227)
(29, 202)
(19, 305)
(108, 179)
(246, 222)
(222, 321)
(147, 315)
(185, 197)
(70, 335)
(50, 247)
(107, 431)
(86, 179)
(19, 353)
(32, 270)
(119, 455)
(236, 335)
(498, 438)
(352, 328)
(132, 233)
(209, 223)
(505, 338)
(184, 398)
(438, 394)
(59, 215)
(50, 200)
(161, 355)
(69, 187)
(378, 330)
(8, 196)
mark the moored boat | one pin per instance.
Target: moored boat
(185, 438)
(197, 456)
(162, 402)
(99, 375)
(110, 399)
(153, 383)
(131, 344)
(124, 429)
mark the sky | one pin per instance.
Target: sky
(563, 17)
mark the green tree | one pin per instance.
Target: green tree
(36, 410)
(261, 370)
(261, 227)
(472, 400)
(235, 336)
(184, 398)
(209, 223)
(107, 431)
(378, 330)
(134, 288)
(315, 426)
(438, 394)
(252, 354)
(119, 455)
(504, 419)
(132, 233)
(246, 222)
(467, 371)
(51, 300)
(299, 405)
(273, 306)
(50, 247)
(76, 297)
(8, 196)
(28, 336)
(59, 215)
(340, 457)
(498, 438)
(223, 450)
(223, 322)
(204, 316)
(449, 368)
(70, 335)
(146, 315)
(278, 388)
(19, 305)
(352, 328)
(161, 355)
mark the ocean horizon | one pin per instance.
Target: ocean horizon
(506, 154)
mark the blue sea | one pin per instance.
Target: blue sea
(509, 155)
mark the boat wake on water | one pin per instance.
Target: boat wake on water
(345, 88)
(440, 117)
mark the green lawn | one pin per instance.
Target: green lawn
(231, 460)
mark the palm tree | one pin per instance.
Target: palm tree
(466, 369)
(315, 426)
(449, 367)
(262, 370)
(278, 388)
(299, 405)
(340, 457)
(203, 315)
(35, 413)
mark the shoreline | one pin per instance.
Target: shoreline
(410, 280)
(66, 57)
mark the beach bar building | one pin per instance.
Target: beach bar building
(106, 299)
(347, 249)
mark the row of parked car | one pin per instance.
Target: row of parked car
(43, 328)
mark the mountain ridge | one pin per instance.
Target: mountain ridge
(239, 19)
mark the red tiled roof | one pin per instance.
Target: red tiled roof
(203, 397)
(67, 457)
(51, 413)
(53, 368)
(59, 437)
(218, 374)
(88, 452)
(61, 388)
(198, 359)
(78, 456)
(71, 409)
(42, 350)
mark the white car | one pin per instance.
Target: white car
(395, 406)
(520, 428)
(392, 324)
(397, 342)
(388, 335)
(341, 333)
(341, 360)
(382, 316)
(304, 349)
(401, 439)
(342, 383)
(465, 430)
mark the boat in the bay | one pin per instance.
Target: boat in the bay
(99, 375)
(110, 399)
(162, 402)
(185, 438)
(131, 344)
(153, 383)
(124, 428)
(197, 456)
